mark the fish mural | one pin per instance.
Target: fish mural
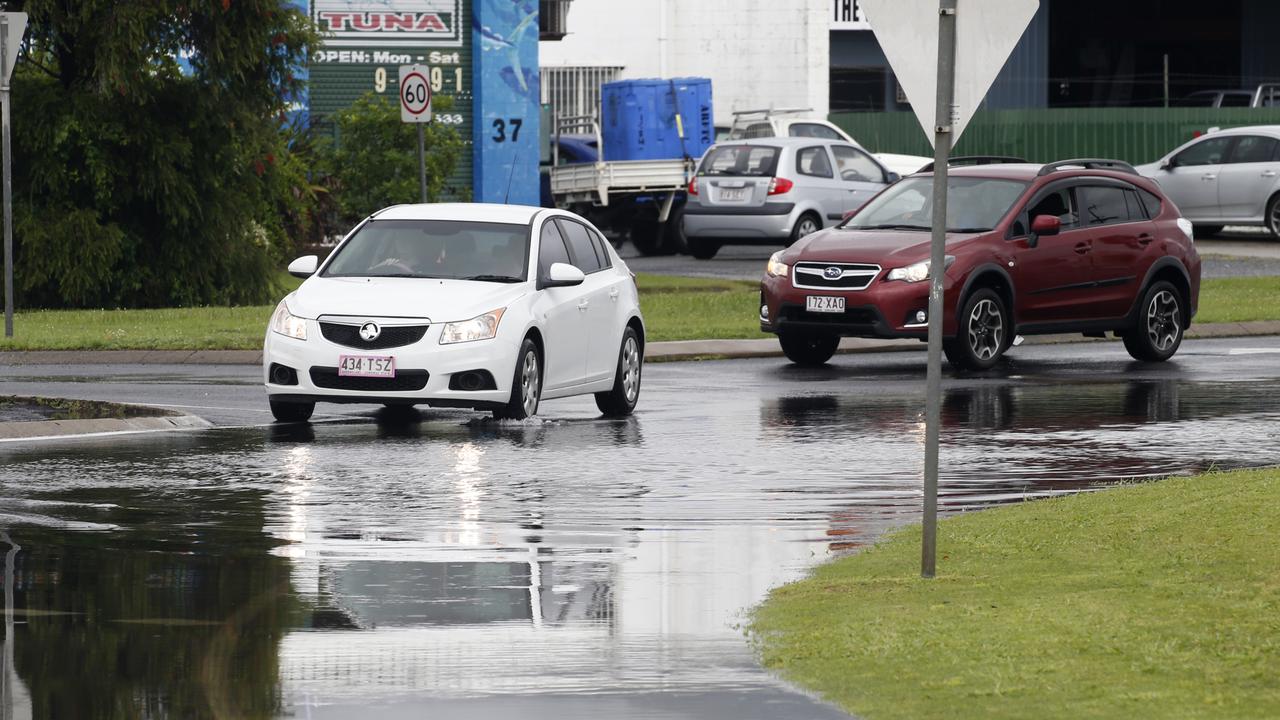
(508, 98)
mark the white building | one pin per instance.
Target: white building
(758, 53)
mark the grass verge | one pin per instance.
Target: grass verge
(1160, 600)
(675, 308)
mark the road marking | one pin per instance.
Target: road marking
(1254, 351)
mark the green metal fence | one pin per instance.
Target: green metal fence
(1138, 135)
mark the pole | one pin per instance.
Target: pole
(8, 181)
(422, 165)
(937, 268)
(1166, 80)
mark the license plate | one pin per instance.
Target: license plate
(824, 304)
(366, 366)
(733, 194)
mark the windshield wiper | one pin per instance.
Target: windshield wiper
(494, 278)
(888, 227)
(969, 230)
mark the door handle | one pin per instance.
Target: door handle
(1268, 173)
(1145, 239)
(583, 305)
(613, 294)
(1208, 177)
(1083, 248)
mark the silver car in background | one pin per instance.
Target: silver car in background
(1228, 177)
(774, 191)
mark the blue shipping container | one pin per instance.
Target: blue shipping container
(656, 119)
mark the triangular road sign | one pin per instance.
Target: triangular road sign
(986, 32)
(12, 42)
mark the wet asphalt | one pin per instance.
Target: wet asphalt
(438, 564)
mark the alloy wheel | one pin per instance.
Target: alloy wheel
(807, 227)
(529, 383)
(631, 369)
(1274, 220)
(986, 330)
(1164, 321)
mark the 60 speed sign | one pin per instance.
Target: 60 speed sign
(415, 94)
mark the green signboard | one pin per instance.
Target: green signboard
(368, 40)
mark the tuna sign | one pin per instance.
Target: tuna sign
(406, 22)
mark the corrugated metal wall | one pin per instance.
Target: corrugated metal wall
(1137, 135)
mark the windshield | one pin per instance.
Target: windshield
(973, 205)
(447, 249)
(740, 160)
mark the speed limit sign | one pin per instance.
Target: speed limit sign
(415, 94)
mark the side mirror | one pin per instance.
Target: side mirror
(1043, 226)
(563, 275)
(892, 177)
(304, 267)
(1168, 164)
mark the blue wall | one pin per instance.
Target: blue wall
(507, 101)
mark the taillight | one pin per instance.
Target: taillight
(693, 186)
(780, 186)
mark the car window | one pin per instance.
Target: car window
(1209, 152)
(813, 161)
(974, 204)
(1151, 203)
(758, 130)
(581, 248)
(450, 249)
(1254, 148)
(813, 130)
(1102, 205)
(552, 249)
(740, 160)
(1059, 204)
(602, 249)
(1134, 205)
(856, 166)
(1236, 100)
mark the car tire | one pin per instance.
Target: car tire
(621, 399)
(806, 224)
(292, 411)
(1273, 216)
(703, 249)
(1158, 332)
(646, 235)
(674, 241)
(808, 349)
(1204, 231)
(526, 384)
(984, 332)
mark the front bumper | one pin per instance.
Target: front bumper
(882, 310)
(427, 357)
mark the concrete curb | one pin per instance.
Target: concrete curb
(47, 429)
(655, 351)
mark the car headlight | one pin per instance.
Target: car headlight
(917, 272)
(1187, 228)
(481, 327)
(777, 268)
(288, 324)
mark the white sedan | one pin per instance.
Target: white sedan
(493, 307)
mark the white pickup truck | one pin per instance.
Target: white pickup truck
(787, 122)
(641, 197)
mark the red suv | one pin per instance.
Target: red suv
(1084, 246)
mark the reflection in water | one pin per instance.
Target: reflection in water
(259, 573)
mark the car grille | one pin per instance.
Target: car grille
(853, 276)
(404, 381)
(392, 336)
(851, 316)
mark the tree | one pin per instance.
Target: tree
(373, 160)
(150, 164)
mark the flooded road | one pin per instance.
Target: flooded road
(438, 565)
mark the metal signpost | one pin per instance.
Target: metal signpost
(415, 107)
(972, 42)
(12, 27)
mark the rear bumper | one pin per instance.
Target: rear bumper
(772, 221)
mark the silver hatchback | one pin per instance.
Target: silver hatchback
(774, 191)
(1230, 177)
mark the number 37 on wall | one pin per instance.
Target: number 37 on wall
(500, 127)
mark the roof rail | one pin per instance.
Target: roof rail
(1089, 164)
(772, 111)
(975, 160)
